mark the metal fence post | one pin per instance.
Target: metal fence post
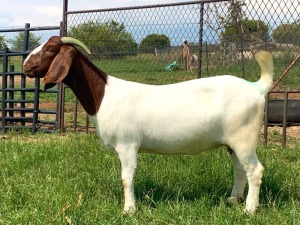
(200, 50)
(26, 37)
(243, 58)
(23, 78)
(64, 22)
(36, 104)
(284, 119)
(4, 86)
(266, 119)
(11, 93)
(60, 96)
(62, 86)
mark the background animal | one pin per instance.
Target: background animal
(193, 62)
(183, 118)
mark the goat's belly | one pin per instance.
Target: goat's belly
(186, 137)
(175, 147)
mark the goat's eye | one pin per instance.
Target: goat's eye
(51, 50)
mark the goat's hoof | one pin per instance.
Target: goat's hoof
(129, 210)
(234, 200)
(250, 210)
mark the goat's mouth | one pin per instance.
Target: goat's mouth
(32, 72)
(28, 74)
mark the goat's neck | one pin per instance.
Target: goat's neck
(87, 82)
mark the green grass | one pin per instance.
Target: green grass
(53, 178)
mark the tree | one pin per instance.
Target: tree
(237, 27)
(287, 33)
(249, 31)
(18, 42)
(109, 40)
(2, 43)
(152, 41)
(233, 22)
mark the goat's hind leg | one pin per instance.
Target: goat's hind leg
(254, 172)
(237, 193)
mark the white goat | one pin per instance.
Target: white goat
(193, 62)
(183, 118)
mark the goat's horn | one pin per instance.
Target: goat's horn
(70, 40)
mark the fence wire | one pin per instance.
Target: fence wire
(146, 44)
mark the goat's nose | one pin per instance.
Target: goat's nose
(29, 71)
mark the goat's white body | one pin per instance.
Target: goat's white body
(185, 118)
(182, 118)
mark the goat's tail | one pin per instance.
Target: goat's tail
(265, 62)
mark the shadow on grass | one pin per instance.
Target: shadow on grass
(151, 194)
(276, 194)
(273, 194)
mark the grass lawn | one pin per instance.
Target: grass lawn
(70, 179)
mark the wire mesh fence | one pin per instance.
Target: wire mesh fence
(120, 45)
(146, 44)
(169, 43)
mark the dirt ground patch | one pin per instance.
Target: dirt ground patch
(291, 96)
(275, 136)
(293, 132)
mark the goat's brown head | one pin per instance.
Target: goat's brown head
(52, 60)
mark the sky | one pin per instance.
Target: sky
(15, 13)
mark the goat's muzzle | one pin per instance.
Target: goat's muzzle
(31, 71)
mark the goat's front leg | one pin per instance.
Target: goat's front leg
(128, 158)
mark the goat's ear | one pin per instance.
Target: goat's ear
(48, 86)
(60, 65)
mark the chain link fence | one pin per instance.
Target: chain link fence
(169, 43)
(146, 44)
(130, 55)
